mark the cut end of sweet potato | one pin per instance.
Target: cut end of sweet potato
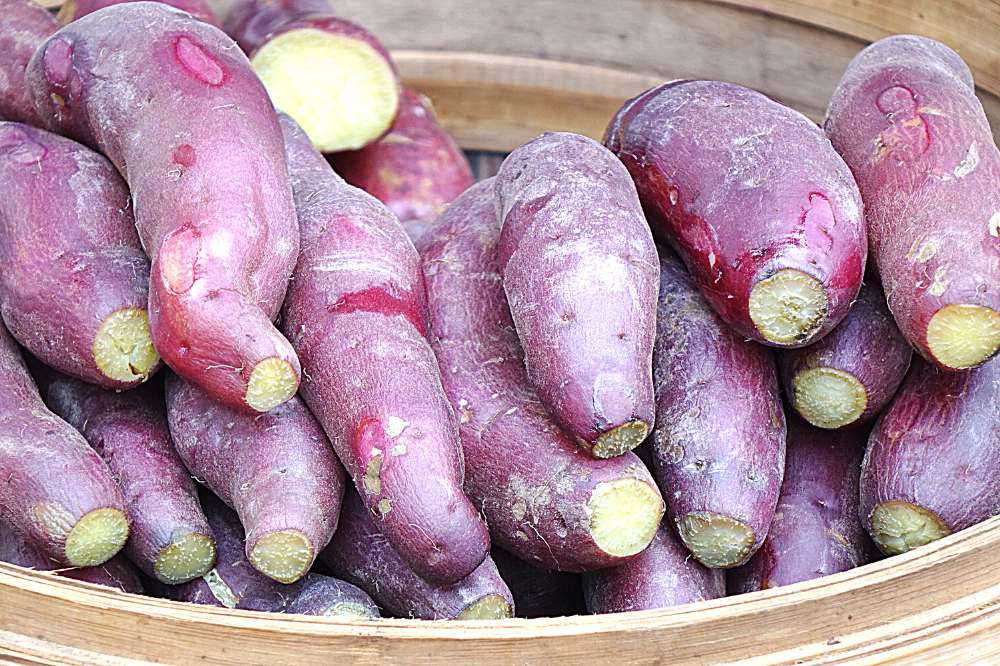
(123, 347)
(829, 398)
(96, 537)
(624, 515)
(620, 440)
(490, 607)
(284, 556)
(185, 559)
(898, 527)
(340, 90)
(717, 541)
(788, 307)
(272, 382)
(963, 336)
(350, 611)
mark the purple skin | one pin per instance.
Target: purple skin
(361, 553)
(74, 9)
(52, 478)
(743, 187)
(537, 592)
(70, 253)
(213, 210)
(664, 575)
(816, 530)
(23, 27)
(719, 444)
(356, 314)
(252, 22)
(276, 470)
(327, 596)
(129, 431)
(867, 346)
(117, 572)
(233, 583)
(937, 448)
(531, 481)
(581, 287)
(906, 119)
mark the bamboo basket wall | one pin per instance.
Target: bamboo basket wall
(500, 73)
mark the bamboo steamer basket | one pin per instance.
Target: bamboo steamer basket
(500, 73)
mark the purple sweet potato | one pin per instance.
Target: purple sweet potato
(117, 572)
(545, 499)
(330, 597)
(57, 492)
(816, 530)
(933, 461)
(580, 271)
(23, 27)
(907, 121)
(332, 76)
(277, 470)
(663, 575)
(719, 443)
(181, 114)
(356, 313)
(849, 376)
(74, 9)
(361, 553)
(233, 582)
(170, 538)
(754, 199)
(537, 592)
(75, 280)
(415, 169)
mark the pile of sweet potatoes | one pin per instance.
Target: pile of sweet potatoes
(267, 345)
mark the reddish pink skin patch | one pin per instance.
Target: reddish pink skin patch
(184, 155)
(198, 62)
(377, 299)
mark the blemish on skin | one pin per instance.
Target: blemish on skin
(384, 506)
(673, 196)
(184, 155)
(178, 258)
(19, 148)
(969, 164)
(922, 251)
(994, 225)
(198, 62)
(519, 509)
(373, 479)
(395, 426)
(398, 450)
(57, 62)
(711, 259)
(941, 282)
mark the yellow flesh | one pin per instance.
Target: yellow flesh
(284, 556)
(624, 515)
(96, 537)
(272, 382)
(340, 90)
(715, 540)
(123, 347)
(618, 440)
(788, 307)
(490, 607)
(900, 526)
(187, 558)
(963, 336)
(829, 398)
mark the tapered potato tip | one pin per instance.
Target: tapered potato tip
(339, 89)
(620, 440)
(624, 515)
(717, 541)
(898, 527)
(284, 556)
(123, 346)
(187, 558)
(964, 336)
(829, 398)
(490, 607)
(788, 307)
(96, 538)
(272, 383)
